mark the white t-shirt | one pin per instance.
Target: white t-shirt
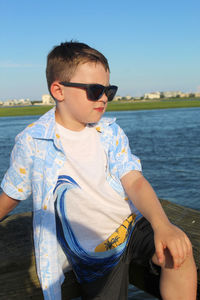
(94, 210)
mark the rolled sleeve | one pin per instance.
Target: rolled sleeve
(17, 180)
(125, 160)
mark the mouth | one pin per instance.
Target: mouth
(99, 109)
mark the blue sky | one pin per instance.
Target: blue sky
(151, 45)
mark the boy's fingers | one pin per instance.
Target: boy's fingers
(160, 252)
(183, 248)
(189, 245)
(185, 252)
(176, 252)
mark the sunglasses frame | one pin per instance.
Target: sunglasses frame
(88, 88)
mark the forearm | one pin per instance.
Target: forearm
(7, 204)
(166, 235)
(144, 198)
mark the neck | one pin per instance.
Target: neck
(66, 122)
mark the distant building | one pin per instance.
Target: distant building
(8, 103)
(172, 94)
(47, 100)
(117, 98)
(128, 97)
(23, 102)
(184, 95)
(15, 102)
(154, 95)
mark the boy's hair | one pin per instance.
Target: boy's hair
(63, 60)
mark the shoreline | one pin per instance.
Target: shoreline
(112, 106)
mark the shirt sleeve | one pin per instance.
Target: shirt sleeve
(17, 180)
(124, 159)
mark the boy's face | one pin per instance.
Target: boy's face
(74, 110)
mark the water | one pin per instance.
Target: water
(167, 142)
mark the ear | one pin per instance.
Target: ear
(57, 91)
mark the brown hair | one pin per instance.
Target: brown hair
(63, 60)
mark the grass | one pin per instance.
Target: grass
(23, 110)
(113, 106)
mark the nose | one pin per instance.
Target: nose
(103, 98)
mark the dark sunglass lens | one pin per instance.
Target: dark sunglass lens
(111, 92)
(95, 92)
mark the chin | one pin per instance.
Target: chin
(96, 119)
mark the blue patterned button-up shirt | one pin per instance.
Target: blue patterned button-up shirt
(35, 163)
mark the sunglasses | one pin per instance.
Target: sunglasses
(94, 91)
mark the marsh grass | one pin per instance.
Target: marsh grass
(113, 106)
(117, 106)
(23, 110)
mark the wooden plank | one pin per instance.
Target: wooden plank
(189, 221)
(18, 278)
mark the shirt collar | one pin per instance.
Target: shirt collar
(45, 126)
(103, 124)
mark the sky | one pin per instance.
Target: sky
(151, 45)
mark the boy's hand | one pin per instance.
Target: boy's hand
(172, 246)
(6, 205)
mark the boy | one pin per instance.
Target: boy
(89, 192)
